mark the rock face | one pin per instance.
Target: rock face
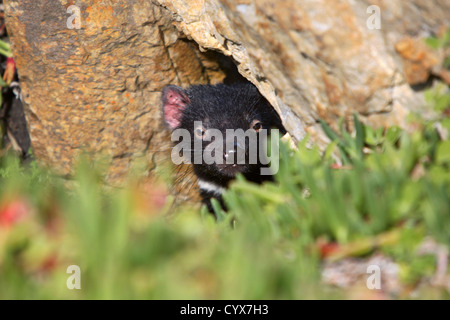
(97, 88)
(319, 59)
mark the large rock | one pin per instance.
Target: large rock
(318, 59)
(97, 88)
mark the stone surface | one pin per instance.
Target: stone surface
(98, 88)
(418, 60)
(318, 59)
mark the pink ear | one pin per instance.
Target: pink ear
(174, 101)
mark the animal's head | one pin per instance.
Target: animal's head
(239, 114)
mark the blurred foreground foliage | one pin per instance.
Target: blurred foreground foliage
(388, 192)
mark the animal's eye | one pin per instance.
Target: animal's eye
(256, 125)
(200, 132)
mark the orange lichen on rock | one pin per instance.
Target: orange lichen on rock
(418, 59)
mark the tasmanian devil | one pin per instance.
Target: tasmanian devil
(228, 123)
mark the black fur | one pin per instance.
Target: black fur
(220, 107)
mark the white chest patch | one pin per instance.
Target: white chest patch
(210, 187)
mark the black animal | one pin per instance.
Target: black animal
(201, 108)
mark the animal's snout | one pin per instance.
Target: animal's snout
(234, 152)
